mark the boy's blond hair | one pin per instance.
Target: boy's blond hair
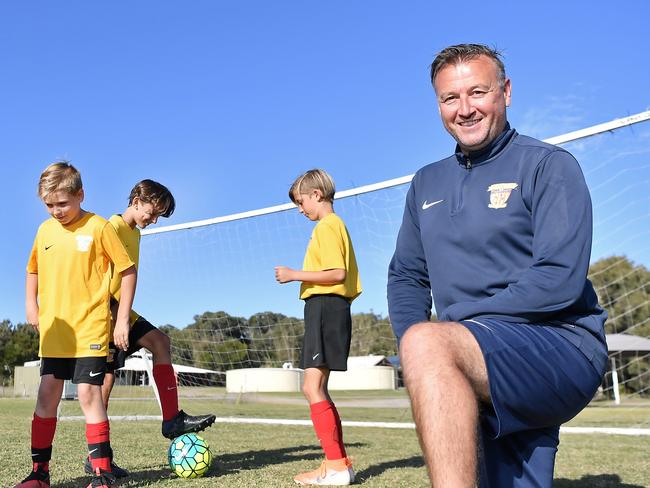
(314, 179)
(59, 176)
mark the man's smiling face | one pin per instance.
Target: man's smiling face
(472, 102)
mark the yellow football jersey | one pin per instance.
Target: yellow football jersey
(73, 267)
(131, 240)
(330, 247)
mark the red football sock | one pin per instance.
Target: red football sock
(327, 425)
(42, 436)
(163, 374)
(99, 445)
(339, 427)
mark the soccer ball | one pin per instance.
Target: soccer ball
(189, 456)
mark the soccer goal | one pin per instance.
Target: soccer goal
(210, 284)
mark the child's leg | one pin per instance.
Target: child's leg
(49, 396)
(326, 317)
(107, 387)
(44, 421)
(97, 427)
(324, 415)
(175, 421)
(160, 346)
(314, 386)
(44, 424)
(113, 362)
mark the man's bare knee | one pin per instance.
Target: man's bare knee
(413, 337)
(428, 338)
(428, 347)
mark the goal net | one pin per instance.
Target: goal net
(210, 284)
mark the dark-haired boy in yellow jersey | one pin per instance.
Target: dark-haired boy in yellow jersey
(68, 303)
(148, 201)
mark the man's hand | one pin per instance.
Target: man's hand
(284, 274)
(121, 334)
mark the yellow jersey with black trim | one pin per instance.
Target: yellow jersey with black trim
(73, 264)
(130, 238)
(330, 247)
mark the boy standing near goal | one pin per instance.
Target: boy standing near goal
(68, 303)
(148, 201)
(330, 281)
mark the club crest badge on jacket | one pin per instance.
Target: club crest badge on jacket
(500, 193)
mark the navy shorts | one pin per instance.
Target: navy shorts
(538, 380)
(117, 357)
(89, 370)
(328, 331)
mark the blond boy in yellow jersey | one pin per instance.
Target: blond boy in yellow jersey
(148, 201)
(330, 281)
(68, 303)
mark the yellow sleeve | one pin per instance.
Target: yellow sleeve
(32, 264)
(330, 246)
(114, 249)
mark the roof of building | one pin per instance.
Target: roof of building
(367, 361)
(627, 342)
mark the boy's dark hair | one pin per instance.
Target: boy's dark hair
(462, 53)
(149, 191)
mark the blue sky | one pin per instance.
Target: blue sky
(227, 102)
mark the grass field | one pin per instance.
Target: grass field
(261, 455)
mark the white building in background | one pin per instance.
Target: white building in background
(373, 372)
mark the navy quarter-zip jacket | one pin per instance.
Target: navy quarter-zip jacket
(504, 233)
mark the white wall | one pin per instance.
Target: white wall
(252, 380)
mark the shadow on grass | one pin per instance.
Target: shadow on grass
(235, 462)
(378, 469)
(594, 481)
(248, 460)
(136, 478)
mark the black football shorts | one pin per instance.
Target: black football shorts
(328, 329)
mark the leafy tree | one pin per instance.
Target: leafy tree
(624, 291)
(372, 334)
(264, 321)
(18, 344)
(286, 337)
(167, 329)
(6, 334)
(220, 325)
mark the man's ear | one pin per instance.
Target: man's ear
(507, 91)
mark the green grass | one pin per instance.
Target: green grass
(612, 416)
(258, 455)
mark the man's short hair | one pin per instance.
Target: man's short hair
(461, 53)
(59, 176)
(314, 179)
(158, 195)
